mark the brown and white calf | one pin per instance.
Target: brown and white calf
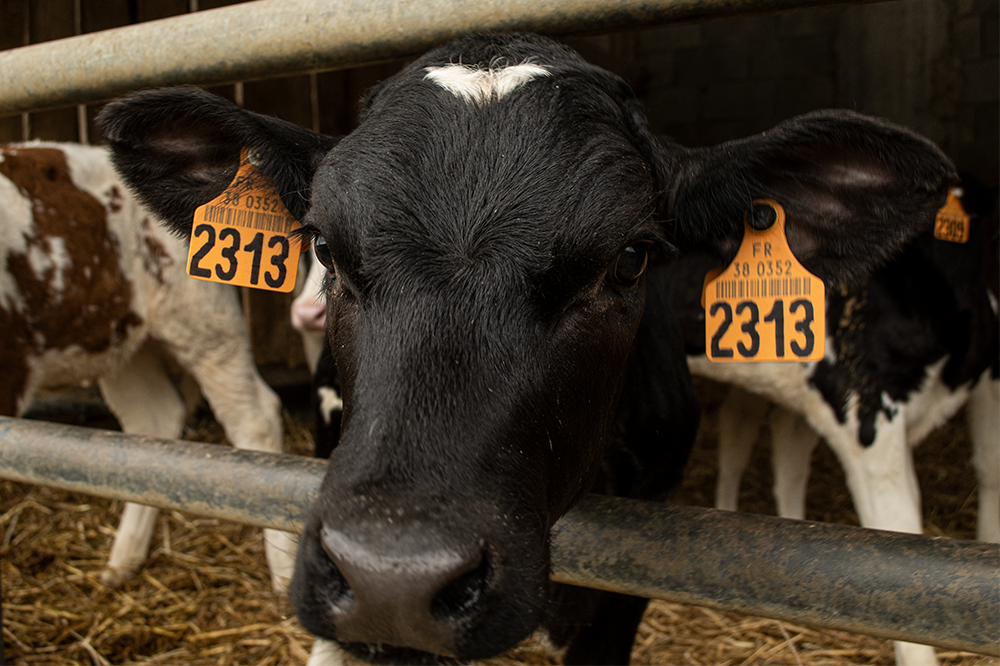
(495, 234)
(94, 288)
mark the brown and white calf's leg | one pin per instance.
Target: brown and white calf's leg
(142, 397)
(208, 337)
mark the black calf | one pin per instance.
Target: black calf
(496, 230)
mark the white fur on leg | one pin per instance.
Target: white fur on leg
(325, 653)
(280, 548)
(914, 654)
(883, 484)
(983, 415)
(131, 546)
(792, 444)
(145, 402)
(142, 397)
(881, 476)
(741, 415)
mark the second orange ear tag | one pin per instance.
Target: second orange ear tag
(242, 236)
(765, 306)
(952, 222)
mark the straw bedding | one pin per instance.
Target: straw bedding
(204, 597)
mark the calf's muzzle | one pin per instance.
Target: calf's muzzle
(400, 577)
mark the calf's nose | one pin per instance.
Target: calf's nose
(417, 594)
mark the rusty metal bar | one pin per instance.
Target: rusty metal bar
(940, 591)
(270, 38)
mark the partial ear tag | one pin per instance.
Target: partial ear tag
(242, 236)
(765, 306)
(952, 222)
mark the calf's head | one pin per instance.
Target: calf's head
(488, 232)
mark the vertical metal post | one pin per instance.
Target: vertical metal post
(82, 130)
(25, 40)
(1, 624)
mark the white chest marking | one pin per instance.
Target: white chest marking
(480, 86)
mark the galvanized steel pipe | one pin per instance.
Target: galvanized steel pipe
(944, 592)
(269, 38)
(248, 487)
(934, 590)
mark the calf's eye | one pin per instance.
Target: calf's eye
(629, 265)
(322, 249)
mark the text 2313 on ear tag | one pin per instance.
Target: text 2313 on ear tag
(952, 222)
(242, 236)
(765, 306)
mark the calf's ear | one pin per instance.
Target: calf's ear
(855, 189)
(179, 148)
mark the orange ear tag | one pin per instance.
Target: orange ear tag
(241, 236)
(952, 222)
(765, 306)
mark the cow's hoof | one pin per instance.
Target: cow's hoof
(116, 576)
(326, 653)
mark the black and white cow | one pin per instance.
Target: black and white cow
(495, 232)
(947, 291)
(93, 288)
(905, 351)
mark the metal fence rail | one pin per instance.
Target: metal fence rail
(270, 38)
(901, 586)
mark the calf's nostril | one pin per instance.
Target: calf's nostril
(338, 591)
(460, 597)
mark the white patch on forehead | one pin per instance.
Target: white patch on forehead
(480, 86)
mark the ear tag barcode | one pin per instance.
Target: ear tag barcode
(765, 306)
(242, 236)
(952, 222)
